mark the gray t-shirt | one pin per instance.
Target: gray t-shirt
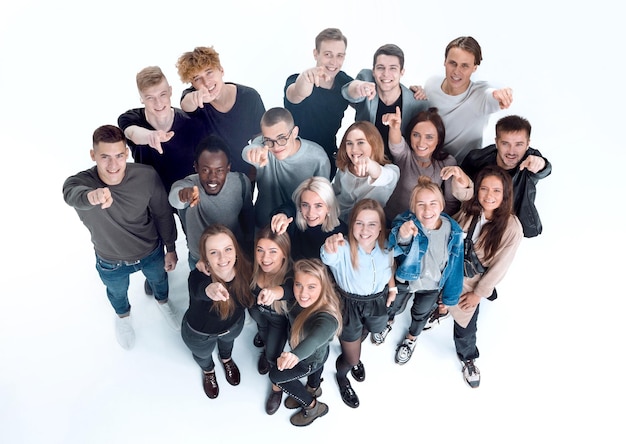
(435, 259)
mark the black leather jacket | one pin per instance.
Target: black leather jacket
(524, 184)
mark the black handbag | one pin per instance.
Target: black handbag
(471, 264)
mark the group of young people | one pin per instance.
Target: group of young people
(340, 237)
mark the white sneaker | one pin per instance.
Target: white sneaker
(170, 314)
(124, 332)
(379, 338)
(435, 318)
(405, 351)
(471, 374)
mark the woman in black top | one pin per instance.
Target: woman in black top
(217, 304)
(272, 284)
(310, 218)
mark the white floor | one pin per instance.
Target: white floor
(550, 345)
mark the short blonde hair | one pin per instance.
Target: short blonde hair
(149, 76)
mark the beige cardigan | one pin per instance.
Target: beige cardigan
(483, 285)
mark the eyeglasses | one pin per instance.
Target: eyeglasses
(280, 140)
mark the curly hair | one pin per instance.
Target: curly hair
(190, 63)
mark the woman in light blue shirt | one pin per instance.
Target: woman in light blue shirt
(363, 270)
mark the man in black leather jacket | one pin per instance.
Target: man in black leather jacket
(526, 166)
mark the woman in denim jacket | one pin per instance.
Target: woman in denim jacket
(428, 245)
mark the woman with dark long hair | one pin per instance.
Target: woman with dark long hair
(496, 235)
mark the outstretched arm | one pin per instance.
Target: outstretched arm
(144, 136)
(303, 86)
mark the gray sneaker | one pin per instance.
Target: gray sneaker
(379, 338)
(405, 351)
(471, 374)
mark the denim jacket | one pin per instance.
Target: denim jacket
(410, 256)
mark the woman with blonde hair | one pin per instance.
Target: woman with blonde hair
(316, 213)
(217, 304)
(428, 245)
(314, 319)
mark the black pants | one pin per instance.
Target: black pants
(465, 338)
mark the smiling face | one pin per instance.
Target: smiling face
(307, 289)
(511, 148)
(460, 65)
(330, 56)
(357, 146)
(269, 256)
(212, 169)
(428, 208)
(424, 139)
(490, 195)
(281, 131)
(313, 208)
(221, 256)
(366, 229)
(211, 78)
(157, 100)
(110, 161)
(387, 73)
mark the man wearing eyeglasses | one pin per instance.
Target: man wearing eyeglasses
(282, 160)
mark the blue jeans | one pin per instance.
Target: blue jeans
(192, 261)
(202, 345)
(115, 276)
(289, 380)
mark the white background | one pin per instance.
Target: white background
(550, 346)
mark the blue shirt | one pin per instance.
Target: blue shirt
(370, 277)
